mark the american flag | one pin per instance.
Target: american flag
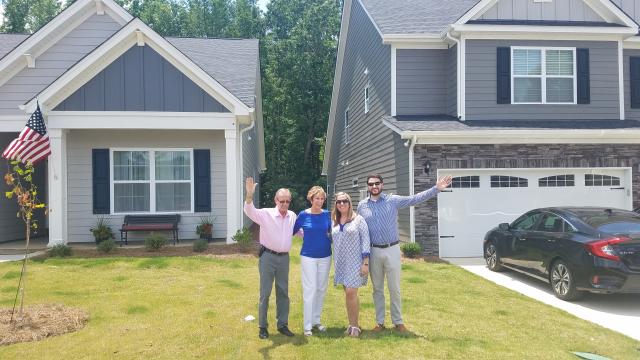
(32, 145)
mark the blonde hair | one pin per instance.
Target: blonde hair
(315, 191)
(335, 214)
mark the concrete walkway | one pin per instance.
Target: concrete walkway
(618, 312)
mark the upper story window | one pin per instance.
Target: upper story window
(346, 126)
(543, 75)
(152, 181)
(366, 99)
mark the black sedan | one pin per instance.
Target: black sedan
(575, 249)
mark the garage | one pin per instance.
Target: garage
(480, 199)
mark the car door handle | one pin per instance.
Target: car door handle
(522, 239)
(551, 240)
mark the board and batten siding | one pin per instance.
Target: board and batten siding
(141, 80)
(559, 10)
(421, 81)
(373, 148)
(54, 62)
(80, 217)
(630, 7)
(481, 83)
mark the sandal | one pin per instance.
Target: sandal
(355, 331)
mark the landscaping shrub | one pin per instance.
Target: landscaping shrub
(102, 231)
(106, 246)
(155, 242)
(411, 250)
(200, 245)
(60, 250)
(243, 237)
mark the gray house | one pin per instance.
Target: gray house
(138, 123)
(527, 103)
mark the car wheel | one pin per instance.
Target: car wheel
(492, 257)
(562, 282)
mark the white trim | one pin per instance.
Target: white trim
(462, 84)
(12, 123)
(370, 18)
(152, 180)
(337, 78)
(543, 75)
(31, 61)
(578, 30)
(409, 39)
(111, 49)
(233, 183)
(439, 45)
(394, 79)
(57, 187)
(535, 35)
(139, 120)
(99, 7)
(139, 38)
(621, 77)
(476, 11)
(412, 209)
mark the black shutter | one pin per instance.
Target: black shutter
(634, 81)
(101, 178)
(202, 171)
(503, 71)
(584, 88)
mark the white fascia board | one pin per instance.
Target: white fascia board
(617, 136)
(117, 45)
(369, 16)
(12, 123)
(632, 43)
(140, 120)
(536, 29)
(421, 38)
(476, 11)
(611, 13)
(344, 29)
(522, 35)
(53, 31)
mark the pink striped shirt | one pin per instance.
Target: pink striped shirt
(276, 230)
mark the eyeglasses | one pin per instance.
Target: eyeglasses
(377, 183)
(338, 202)
(284, 202)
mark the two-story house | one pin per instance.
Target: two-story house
(526, 103)
(138, 123)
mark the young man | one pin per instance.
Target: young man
(381, 214)
(276, 229)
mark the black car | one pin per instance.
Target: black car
(575, 249)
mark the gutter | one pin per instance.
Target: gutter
(412, 213)
(251, 126)
(458, 71)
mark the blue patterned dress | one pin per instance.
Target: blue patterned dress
(350, 246)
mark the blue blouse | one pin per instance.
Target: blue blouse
(317, 227)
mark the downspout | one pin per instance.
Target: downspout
(253, 123)
(458, 72)
(412, 216)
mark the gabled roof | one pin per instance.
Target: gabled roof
(231, 62)
(8, 42)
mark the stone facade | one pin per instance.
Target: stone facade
(482, 156)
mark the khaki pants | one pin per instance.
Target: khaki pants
(385, 262)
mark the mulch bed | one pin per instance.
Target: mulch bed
(39, 322)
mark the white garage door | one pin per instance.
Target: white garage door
(480, 199)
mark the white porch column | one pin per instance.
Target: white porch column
(233, 183)
(58, 187)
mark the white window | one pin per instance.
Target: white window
(346, 126)
(152, 181)
(366, 99)
(543, 75)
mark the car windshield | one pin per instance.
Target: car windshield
(621, 227)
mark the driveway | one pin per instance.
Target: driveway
(618, 312)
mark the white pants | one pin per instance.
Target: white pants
(315, 276)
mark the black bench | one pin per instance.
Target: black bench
(150, 223)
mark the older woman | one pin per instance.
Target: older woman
(315, 258)
(351, 256)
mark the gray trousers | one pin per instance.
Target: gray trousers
(386, 263)
(273, 267)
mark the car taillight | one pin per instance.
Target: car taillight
(604, 249)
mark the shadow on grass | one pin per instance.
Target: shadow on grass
(339, 332)
(278, 340)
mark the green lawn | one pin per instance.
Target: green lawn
(193, 307)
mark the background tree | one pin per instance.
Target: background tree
(27, 16)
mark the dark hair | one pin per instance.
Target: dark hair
(375, 176)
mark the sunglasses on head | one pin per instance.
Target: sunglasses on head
(377, 183)
(338, 202)
(284, 202)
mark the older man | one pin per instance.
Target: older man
(380, 211)
(276, 229)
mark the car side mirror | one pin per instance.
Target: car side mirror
(504, 226)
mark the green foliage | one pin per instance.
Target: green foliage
(106, 246)
(200, 245)
(205, 228)
(243, 237)
(27, 16)
(101, 231)
(60, 250)
(155, 242)
(19, 180)
(411, 250)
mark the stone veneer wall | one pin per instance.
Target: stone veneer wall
(470, 156)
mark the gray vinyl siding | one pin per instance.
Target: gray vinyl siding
(631, 7)
(629, 113)
(79, 181)
(141, 80)
(480, 83)
(373, 148)
(250, 164)
(421, 81)
(452, 81)
(570, 10)
(54, 62)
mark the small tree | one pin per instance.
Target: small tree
(19, 179)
